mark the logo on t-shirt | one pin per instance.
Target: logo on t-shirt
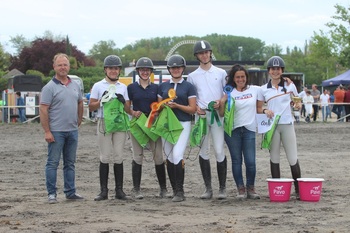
(244, 96)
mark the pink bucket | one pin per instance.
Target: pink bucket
(310, 189)
(279, 189)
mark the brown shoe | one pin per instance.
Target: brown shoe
(251, 194)
(241, 193)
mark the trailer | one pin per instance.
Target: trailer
(30, 87)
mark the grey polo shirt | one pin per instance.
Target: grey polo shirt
(63, 104)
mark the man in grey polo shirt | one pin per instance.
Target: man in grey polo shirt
(61, 113)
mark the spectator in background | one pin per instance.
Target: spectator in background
(87, 97)
(316, 94)
(331, 99)
(347, 103)
(324, 98)
(302, 94)
(338, 100)
(92, 114)
(308, 100)
(21, 110)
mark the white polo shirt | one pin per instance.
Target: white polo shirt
(209, 84)
(279, 100)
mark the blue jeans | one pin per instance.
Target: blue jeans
(324, 113)
(66, 143)
(242, 145)
(22, 114)
(337, 109)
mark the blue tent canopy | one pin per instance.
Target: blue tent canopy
(343, 79)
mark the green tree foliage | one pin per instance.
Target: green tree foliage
(39, 56)
(35, 72)
(225, 47)
(102, 49)
(321, 59)
(68, 47)
(88, 71)
(3, 84)
(340, 34)
(273, 50)
(19, 42)
(89, 82)
(4, 59)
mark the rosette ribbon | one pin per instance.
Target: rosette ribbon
(214, 114)
(155, 106)
(228, 89)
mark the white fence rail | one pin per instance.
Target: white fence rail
(33, 117)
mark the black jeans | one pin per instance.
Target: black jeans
(315, 108)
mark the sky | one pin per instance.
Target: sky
(287, 23)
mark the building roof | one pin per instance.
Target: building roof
(12, 73)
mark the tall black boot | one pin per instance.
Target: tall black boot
(119, 176)
(179, 181)
(222, 174)
(171, 173)
(104, 171)
(275, 170)
(160, 171)
(136, 179)
(206, 173)
(296, 173)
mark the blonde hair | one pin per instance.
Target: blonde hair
(60, 55)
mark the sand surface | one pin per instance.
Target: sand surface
(324, 151)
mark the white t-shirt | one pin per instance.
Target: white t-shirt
(245, 107)
(101, 86)
(324, 99)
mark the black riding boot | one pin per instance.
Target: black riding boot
(136, 179)
(222, 174)
(104, 171)
(206, 173)
(275, 170)
(160, 171)
(296, 173)
(119, 176)
(171, 173)
(179, 182)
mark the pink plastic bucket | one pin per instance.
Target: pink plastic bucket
(279, 189)
(310, 189)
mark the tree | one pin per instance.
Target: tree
(39, 56)
(340, 34)
(68, 47)
(4, 59)
(50, 36)
(19, 42)
(321, 57)
(273, 50)
(102, 49)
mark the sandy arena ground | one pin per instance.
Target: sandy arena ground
(323, 153)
